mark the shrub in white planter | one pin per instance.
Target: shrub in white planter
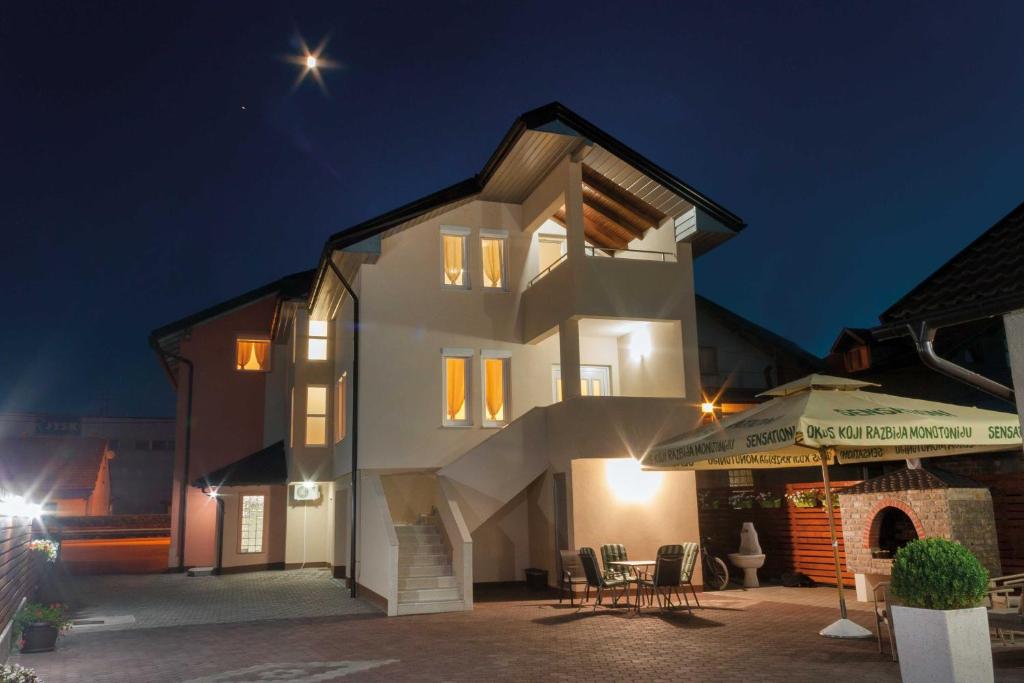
(942, 633)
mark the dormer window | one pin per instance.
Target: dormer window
(252, 355)
(857, 358)
(454, 258)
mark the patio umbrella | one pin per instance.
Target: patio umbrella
(822, 420)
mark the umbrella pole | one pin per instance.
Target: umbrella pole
(843, 628)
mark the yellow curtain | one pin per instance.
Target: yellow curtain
(494, 372)
(455, 372)
(262, 350)
(453, 258)
(492, 262)
(242, 351)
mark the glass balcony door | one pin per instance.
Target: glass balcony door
(595, 380)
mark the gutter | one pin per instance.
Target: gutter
(923, 334)
(355, 418)
(164, 355)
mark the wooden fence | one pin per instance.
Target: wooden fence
(792, 538)
(17, 579)
(1008, 504)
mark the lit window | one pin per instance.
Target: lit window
(340, 399)
(251, 527)
(496, 389)
(455, 368)
(317, 349)
(316, 416)
(252, 355)
(492, 247)
(454, 258)
(741, 478)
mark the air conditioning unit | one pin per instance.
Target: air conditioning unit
(306, 491)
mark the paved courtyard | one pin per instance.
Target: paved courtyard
(736, 637)
(161, 600)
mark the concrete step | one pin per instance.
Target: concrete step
(421, 582)
(422, 558)
(428, 595)
(416, 529)
(417, 571)
(431, 607)
(424, 549)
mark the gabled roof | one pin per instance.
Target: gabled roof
(167, 338)
(556, 130)
(907, 479)
(50, 467)
(758, 335)
(984, 279)
(265, 466)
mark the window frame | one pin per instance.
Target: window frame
(340, 406)
(306, 415)
(502, 237)
(241, 523)
(467, 356)
(464, 235)
(310, 337)
(506, 379)
(253, 337)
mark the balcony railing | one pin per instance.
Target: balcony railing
(599, 252)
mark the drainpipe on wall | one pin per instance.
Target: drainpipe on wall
(188, 448)
(219, 499)
(355, 419)
(923, 335)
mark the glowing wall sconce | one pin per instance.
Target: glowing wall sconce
(707, 408)
(17, 506)
(629, 483)
(640, 344)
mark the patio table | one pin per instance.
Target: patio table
(639, 568)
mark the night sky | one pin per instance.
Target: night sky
(156, 160)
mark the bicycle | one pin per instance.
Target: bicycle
(716, 571)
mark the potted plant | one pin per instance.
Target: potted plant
(37, 626)
(808, 498)
(741, 501)
(824, 502)
(941, 628)
(768, 499)
(45, 554)
(14, 673)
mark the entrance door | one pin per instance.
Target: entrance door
(595, 380)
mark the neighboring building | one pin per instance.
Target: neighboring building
(521, 334)
(68, 476)
(140, 472)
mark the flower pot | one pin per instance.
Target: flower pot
(39, 637)
(743, 505)
(805, 503)
(770, 503)
(943, 646)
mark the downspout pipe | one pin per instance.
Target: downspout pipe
(188, 451)
(355, 419)
(923, 335)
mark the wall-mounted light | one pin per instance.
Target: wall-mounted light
(707, 407)
(640, 344)
(630, 483)
(17, 506)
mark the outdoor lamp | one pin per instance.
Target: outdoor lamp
(707, 407)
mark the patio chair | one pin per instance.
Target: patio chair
(572, 575)
(615, 552)
(595, 580)
(668, 571)
(1006, 607)
(689, 552)
(883, 616)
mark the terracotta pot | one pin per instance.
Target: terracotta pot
(39, 637)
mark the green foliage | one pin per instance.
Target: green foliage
(934, 573)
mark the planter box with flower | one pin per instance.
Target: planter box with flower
(768, 499)
(808, 498)
(14, 673)
(45, 554)
(942, 632)
(741, 501)
(37, 626)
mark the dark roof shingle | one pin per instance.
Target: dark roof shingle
(986, 273)
(48, 467)
(907, 479)
(266, 466)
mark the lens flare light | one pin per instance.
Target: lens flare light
(630, 483)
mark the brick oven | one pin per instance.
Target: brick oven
(881, 515)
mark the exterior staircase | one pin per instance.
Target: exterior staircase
(426, 582)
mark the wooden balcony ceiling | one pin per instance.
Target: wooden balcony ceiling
(612, 217)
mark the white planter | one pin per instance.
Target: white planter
(943, 646)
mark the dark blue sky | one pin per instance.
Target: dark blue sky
(155, 160)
